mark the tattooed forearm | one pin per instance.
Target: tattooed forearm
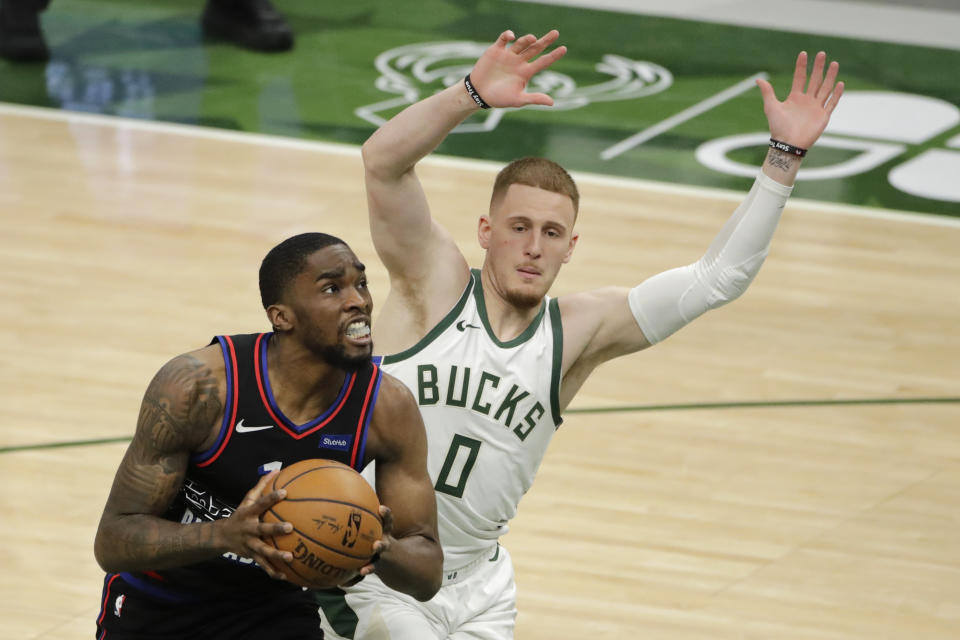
(785, 162)
(144, 542)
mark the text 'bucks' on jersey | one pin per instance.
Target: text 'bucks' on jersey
(490, 410)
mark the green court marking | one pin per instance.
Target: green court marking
(766, 404)
(61, 445)
(148, 60)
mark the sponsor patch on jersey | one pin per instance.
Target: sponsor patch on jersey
(339, 442)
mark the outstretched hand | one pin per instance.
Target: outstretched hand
(501, 74)
(801, 118)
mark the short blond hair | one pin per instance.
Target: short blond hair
(536, 172)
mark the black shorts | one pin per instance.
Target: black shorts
(128, 613)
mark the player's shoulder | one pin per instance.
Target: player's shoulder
(397, 423)
(438, 287)
(592, 303)
(209, 357)
(190, 390)
(393, 394)
(189, 371)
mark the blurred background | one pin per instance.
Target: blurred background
(653, 90)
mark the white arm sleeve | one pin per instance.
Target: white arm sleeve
(667, 301)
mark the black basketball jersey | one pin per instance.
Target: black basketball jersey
(255, 438)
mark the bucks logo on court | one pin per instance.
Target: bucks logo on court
(869, 129)
(413, 71)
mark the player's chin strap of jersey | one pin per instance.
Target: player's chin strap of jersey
(669, 300)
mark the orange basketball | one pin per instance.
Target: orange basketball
(335, 515)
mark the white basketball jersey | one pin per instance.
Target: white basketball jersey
(490, 410)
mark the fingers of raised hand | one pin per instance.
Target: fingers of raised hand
(523, 45)
(823, 93)
(822, 89)
(816, 75)
(536, 46)
(766, 90)
(537, 98)
(799, 73)
(833, 98)
(505, 37)
(548, 59)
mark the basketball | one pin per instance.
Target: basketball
(335, 515)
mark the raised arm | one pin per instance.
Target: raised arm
(419, 255)
(603, 324)
(178, 412)
(410, 556)
(799, 120)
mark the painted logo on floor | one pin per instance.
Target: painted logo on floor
(412, 70)
(882, 126)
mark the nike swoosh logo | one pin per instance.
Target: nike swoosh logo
(462, 326)
(242, 428)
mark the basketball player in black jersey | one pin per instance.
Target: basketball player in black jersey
(180, 535)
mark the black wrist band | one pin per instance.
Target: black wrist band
(787, 148)
(473, 93)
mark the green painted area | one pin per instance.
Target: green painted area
(62, 445)
(764, 404)
(149, 60)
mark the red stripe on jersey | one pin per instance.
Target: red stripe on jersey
(106, 598)
(363, 417)
(235, 375)
(281, 423)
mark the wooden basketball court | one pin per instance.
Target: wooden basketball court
(819, 500)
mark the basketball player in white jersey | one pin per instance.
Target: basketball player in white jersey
(493, 360)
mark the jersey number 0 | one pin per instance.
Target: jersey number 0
(453, 476)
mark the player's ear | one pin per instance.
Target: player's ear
(483, 232)
(281, 317)
(570, 248)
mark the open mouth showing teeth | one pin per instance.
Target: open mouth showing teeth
(358, 330)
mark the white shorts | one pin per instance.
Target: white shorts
(476, 602)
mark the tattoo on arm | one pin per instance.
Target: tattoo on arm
(786, 162)
(178, 411)
(180, 405)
